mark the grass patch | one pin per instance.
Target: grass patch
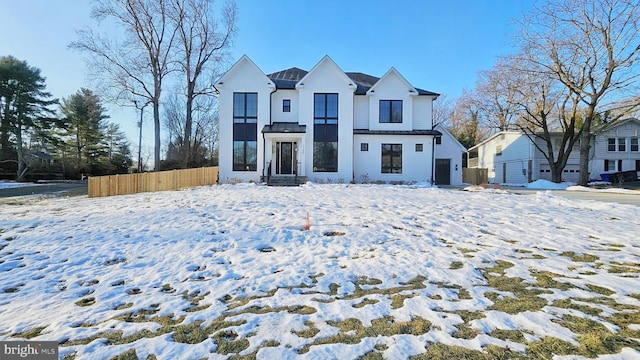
(365, 302)
(309, 332)
(600, 290)
(29, 333)
(548, 347)
(511, 335)
(456, 265)
(577, 257)
(352, 330)
(569, 304)
(228, 343)
(127, 355)
(397, 300)
(86, 301)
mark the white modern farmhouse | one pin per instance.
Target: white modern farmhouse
(326, 125)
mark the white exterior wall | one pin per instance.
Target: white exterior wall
(515, 154)
(361, 112)
(416, 166)
(422, 107)
(450, 148)
(326, 77)
(391, 88)
(276, 108)
(601, 152)
(246, 77)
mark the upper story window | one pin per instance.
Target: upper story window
(634, 144)
(390, 111)
(611, 144)
(622, 144)
(245, 107)
(438, 140)
(286, 105)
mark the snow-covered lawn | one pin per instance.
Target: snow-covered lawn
(384, 271)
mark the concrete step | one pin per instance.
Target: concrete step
(286, 180)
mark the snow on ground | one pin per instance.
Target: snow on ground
(213, 271)
(548, 185)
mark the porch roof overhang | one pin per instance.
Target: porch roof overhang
(284, 128)
(396, 132)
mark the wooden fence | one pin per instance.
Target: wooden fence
(153, 181)
(475, 176)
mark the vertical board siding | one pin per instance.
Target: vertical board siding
(148, 182)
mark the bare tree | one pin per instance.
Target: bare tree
(591, 47)
(136, 66)
(443, 111)
(495, 95)
(204, 40)
(465, 122)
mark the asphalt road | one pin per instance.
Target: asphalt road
(584, 195)
(62, 188)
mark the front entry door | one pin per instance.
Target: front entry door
(443, 171)
(285, 154)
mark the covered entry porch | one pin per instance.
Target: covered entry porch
(284, 154)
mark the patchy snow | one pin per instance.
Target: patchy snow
(613, 190)
(83, 269)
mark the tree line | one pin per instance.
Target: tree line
(576, 67)
(182, 44)
(41, 137)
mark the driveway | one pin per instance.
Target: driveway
(57, 188)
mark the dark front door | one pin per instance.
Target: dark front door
(284, 158)
(443, 171)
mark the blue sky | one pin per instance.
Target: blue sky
(438, 46)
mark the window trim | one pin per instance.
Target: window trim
(390, 118)
(245, 131)
(325, 133)
(286, 105)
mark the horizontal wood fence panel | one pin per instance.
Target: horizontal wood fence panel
(153, 181)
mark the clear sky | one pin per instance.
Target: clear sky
(438, 46)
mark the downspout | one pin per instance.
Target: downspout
(433, 146)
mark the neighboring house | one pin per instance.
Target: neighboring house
(615, 148)
(512, 158)
(327, 125)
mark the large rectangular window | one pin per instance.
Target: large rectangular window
(392, 158)
(325, 132)
(611, 144)
(634, 144)
(245, 131)
(390, 111)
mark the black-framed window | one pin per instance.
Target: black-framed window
(634, 144)
(622, 144)
(325, 132)
(364, 146)
(438, 140)
(245, 131)
(286, 105)
(419, 147)
(391, 159)
(611, 144)
(390, 111)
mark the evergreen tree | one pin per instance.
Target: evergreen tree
(23, 109)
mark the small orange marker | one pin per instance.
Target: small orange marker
(307, 224)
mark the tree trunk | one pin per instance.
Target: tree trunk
(156, 122)
(188, 126)
(585, 147)
(22, 165)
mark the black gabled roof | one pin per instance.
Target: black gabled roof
(287, 79)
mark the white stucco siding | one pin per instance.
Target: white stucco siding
(244, 77)
(361, 112)
(277, 113)
(422, 106)
(391, 88)
(416, 166)
(326, 77)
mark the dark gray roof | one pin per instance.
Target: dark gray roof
(287, 79)
(284, 127)
(392, 132)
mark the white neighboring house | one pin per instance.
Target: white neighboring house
(326, 125)
(512, 158)
(615, 148)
